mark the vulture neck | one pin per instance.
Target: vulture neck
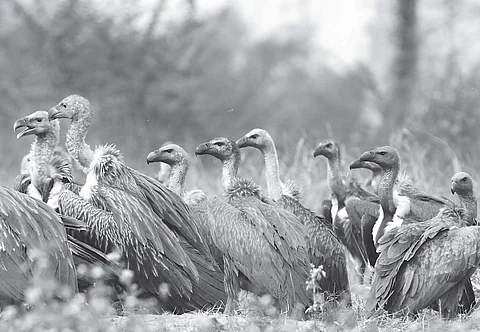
(42, 152)
(469, 203)
(229, 170)
(385, 192)
(177, 177)
(335, 179)
(272, 167)
(374, 181)
(75, 141)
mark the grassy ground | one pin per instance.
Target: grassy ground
(430, 166)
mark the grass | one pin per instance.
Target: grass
(430, 164)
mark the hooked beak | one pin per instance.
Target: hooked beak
(356, 164)
(54, 113)
(453, 188)
(20, 123)
(202, 149)
(318, 151)
(367, 156)
(153, 157)
(242, 142)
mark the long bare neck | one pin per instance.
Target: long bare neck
(272, 167)
(385, 189)
(177, 178)
(469, 203)
(42, 151)
(229, 170)
(335, 178)
(75, 143)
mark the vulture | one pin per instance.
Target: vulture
(418, 251)
(45, 174)
(135, 215)
(324, 248)
(210, 219)
(344, 189)
(33, 246)
(264, 242)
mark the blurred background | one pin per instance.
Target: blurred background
(364, 72)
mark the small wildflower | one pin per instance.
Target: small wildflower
(97, 272)
(126, 277)
(164, 290)
(9, 313)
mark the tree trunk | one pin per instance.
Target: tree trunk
(404, 67)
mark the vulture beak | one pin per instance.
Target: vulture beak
(153, 157)
(242, 142)
(20, 123)
(318, 151)
(367, 156)
(55, 113)
(356, 164)
(202, 149)
(453, 188)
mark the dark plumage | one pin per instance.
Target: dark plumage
(134, 214)
(415, 258)
(344, 189)
(31, 232)
(410, 205)
(264, 242)
(324, 248)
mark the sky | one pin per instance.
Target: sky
(339, 27)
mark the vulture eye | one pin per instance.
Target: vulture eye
(39, 120)
(218, 143)
(329, 145)
(382, 153)
(64, 105)
(464, 180)
(169, 151)
(254, 136)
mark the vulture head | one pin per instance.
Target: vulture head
(327, 148)
(220, 147)
(73, 107)
(462, 184)
(170, 154)
(385, 156)
(37, 124)
(257, 138)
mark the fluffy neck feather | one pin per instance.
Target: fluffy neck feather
(177, 177)
(42, 151)
(75, 140)
(229, 170)
(335, 179)
(274, 185)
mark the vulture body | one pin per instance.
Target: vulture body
(324, 248)
(422, 264)
(264, 242)
(348, 230)
(33, 246)
(46, 172)
(135, 215)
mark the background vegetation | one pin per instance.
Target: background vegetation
(155, 77)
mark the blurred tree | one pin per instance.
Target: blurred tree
(404, 68)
